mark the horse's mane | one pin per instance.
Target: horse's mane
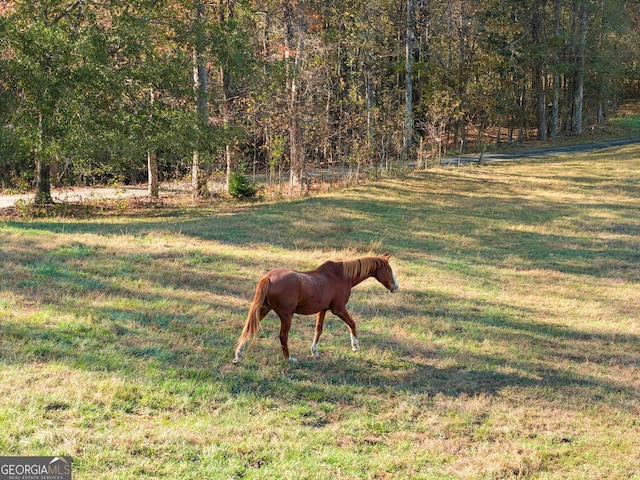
(360, 267)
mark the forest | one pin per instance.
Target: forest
(104, 92)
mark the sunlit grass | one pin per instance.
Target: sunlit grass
(511, 351)
(631, 123)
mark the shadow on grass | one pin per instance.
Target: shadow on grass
(151, 347)
(535, 356)
(172, 325)
(341, 380)
(475, 226)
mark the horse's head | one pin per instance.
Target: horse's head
(385, 275)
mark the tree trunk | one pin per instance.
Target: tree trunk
(152, 162)
(408, 81)
(200, 83)
(462, 80)
(227, 14)
(296, 150)
(578, 95)
(152, 168)
(555, 107)
(43, 181)
(522, 120)
(295, 143)
(370, 103)
(199, 186)
(369, 72)
(43, 170)
(539, 80)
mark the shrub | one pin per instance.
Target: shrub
(241, 187)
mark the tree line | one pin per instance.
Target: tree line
(99, 91)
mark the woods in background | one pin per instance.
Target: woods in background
(99, 92)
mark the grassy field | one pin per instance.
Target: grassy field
(512, 349)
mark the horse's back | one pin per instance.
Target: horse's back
(304, 293)
(281, 276)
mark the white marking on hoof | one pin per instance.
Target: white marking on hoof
(239, 352)
(314, 350)
(292, 360)
(355, 344)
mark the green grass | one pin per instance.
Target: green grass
(626, 122)
(511, 351)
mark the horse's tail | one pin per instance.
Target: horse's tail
(250, 330)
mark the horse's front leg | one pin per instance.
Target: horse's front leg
(346, 318)
(316, 338)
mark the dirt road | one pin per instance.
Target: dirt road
(79, 194)
(540, 152)
(87, 193)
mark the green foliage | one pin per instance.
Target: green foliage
(15, 162)
(241, 187)
(95, 85)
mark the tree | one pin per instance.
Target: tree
(539, 74)
(293, 54)
(581, 25)
(410, 39)
(152, 97)
(201, 87)
(152, 160)
(54, 56)
(555, 108)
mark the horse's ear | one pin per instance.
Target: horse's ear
(386, 256)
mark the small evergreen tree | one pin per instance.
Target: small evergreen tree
(241, 187)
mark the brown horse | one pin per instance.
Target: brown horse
(328, 287)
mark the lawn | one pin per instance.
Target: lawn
(512, 349)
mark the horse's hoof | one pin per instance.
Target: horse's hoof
(292, 360)
(236, 360)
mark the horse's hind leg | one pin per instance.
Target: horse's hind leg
(346, 318)
(316, 338)
(264, 310)
(285, 326)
